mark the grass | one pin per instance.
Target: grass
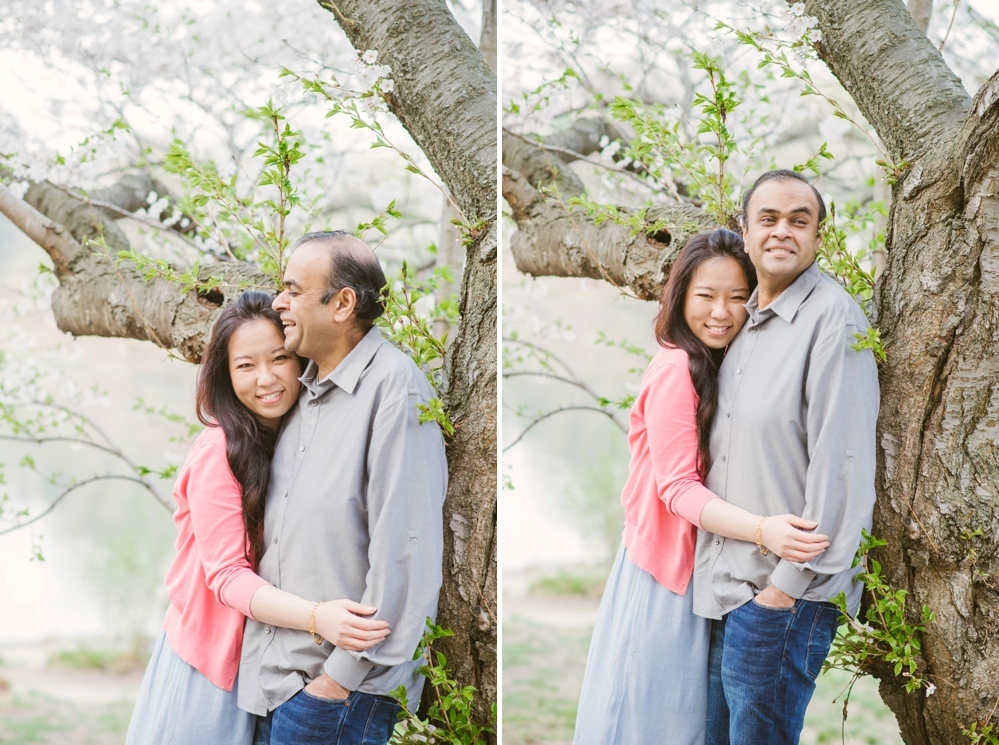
(107, 660)
(570, 583)
(33, 718)
(543, 670)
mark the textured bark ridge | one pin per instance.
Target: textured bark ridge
(445, 95)
(938, 303)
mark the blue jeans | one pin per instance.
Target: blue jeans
(304, 719)
(762, 668)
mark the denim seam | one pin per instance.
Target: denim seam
(367, 724)
(811, 634)
(779, 690)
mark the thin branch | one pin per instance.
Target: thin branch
(559, 410)
(950, 25)
(67, 492)
(579, 384)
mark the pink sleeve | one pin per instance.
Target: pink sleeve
(670, 407)
(214, 498)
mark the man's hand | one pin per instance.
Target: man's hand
(773, 598)
(325, 687)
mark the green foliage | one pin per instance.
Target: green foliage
(885, 634)
(987, 735)
(450, 713)
(405, 324)
(245, 227)
(836, 259)
(667, 156)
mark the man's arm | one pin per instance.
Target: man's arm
(842, 395)
(407, 481)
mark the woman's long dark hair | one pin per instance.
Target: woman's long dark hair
(672, 329)
(249, 444)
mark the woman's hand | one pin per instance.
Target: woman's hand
(781, 534)
(340, 622)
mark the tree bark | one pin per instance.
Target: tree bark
(938, 310)
(445, 96)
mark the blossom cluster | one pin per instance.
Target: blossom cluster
(800, 25)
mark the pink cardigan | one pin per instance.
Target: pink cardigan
(663, 496)
(210, 583)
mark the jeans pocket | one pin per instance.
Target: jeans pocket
(381, 721)
(820, 638)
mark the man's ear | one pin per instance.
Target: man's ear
(343, 304)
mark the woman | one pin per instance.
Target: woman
(247, 383)
(647, 670)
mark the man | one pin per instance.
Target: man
(353, 508)
(793, 433)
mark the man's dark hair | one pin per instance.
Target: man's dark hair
(780, 175)
(364, 276)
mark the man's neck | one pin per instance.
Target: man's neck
(343, 346)
(768, 291)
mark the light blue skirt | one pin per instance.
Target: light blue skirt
(646, 675)
(177, 705)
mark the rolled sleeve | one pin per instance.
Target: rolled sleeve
(842, 394)
(216, 507)
(407, 482)
(670, 408)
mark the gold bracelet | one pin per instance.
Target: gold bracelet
(312, 624)
(759, 537)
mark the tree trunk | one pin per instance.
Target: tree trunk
(938, 304)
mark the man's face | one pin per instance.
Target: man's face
(309, 329)
(781, 230)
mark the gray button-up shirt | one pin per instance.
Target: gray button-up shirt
(793, 433)
(354, 510)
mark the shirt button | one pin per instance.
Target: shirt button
(728, 415)
(302, 447)
(267, 631)
(723, 460)
(314, 402)
(739, 371)
(717, 542)
(275, 541)
(285, 495)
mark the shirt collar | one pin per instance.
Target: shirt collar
(787, 303)
(348, 372)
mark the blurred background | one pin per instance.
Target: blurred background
(565, 443)
(90, 91)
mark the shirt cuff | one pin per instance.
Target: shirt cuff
(791, 579)
(345, 669)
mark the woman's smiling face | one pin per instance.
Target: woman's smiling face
(713, 308)
(264, 374)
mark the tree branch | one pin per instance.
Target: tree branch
(550, 243)
(96, 298)
(897, 77)
(67, 492)
(548, 414)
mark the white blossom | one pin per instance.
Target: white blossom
(387, 85)
(370, 56)
(798, 8)
(930, 690)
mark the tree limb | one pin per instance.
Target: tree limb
(897, 77)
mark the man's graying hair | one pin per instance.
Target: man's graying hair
(365, 278)
(780, 175)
